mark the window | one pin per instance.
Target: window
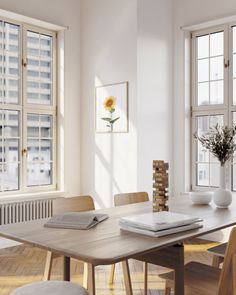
(27, 108)
(213, 98)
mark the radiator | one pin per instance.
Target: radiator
(25, 210)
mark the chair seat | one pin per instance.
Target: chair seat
(218, 250)
(50, 288)
(202, 278)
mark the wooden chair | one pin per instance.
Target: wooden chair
(50, 288)
(61, 205)
(208, 280)
(218, 254)
(125, 199)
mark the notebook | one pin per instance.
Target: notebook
(161, 233)
(156, 221)
(76, 220)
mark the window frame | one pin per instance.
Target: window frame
(226, 109)
(24, 108)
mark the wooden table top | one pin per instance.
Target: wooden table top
(106, 243)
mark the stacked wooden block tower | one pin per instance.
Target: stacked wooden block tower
(160, 185)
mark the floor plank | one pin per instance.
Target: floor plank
(24, 264)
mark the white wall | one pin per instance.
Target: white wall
(154, 84)
(65, 13)
(126, 40)
(108, 55)
(188, 12)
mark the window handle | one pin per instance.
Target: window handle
(24, 62)
(226, 63)
(24, 152)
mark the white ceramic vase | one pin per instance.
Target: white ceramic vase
(222, 197)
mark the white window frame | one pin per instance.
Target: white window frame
(23, 107)
(226, 109)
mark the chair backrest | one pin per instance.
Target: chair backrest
(75, 204)
(227, 283)
(130, 198)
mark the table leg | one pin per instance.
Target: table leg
(170, 257)
(91, 279)
(179, 272)
(66, 272)
(126, 275)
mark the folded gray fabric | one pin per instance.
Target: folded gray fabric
(76, 220)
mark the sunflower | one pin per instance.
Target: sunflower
(109, 103)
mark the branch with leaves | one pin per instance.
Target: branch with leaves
(220, 141)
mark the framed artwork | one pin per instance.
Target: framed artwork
(111, 108)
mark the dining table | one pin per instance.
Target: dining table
(107, 244)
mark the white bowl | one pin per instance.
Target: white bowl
(201, 198)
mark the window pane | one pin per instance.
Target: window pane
(9, 150)
(46, 173)
(33, 91)
(33, 174)
(39, 68)
(203, 46)
(9, 63)
(217, 92)
(10, 176)
(234, 65)
(217, 68)
(234, 39)
(46, 126)
(203, 154)
(203, 70)
(33, 149)
(217, 44)
(202, 174)
(40, 147)
(46, 150)
(33, 44)
(10, 123)
(203, 93)
(207, 165)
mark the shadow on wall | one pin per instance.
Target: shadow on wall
(110, 164)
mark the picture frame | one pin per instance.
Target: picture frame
(111, 108)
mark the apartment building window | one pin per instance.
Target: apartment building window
(27, 108)
(213, 98)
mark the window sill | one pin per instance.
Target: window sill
(31, 196)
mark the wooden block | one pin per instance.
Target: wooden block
(160, 202)
(160, 185)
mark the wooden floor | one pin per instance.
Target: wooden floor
(24, 264)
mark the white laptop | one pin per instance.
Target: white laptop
(156, 221)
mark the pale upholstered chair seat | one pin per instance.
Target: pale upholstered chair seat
(50, 288)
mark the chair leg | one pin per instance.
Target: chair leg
(216, 261)
(167, 288)
(85, 276)
(48, 266)
(126, 276)
(112, 274)
(145, 266)
(167, 291)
